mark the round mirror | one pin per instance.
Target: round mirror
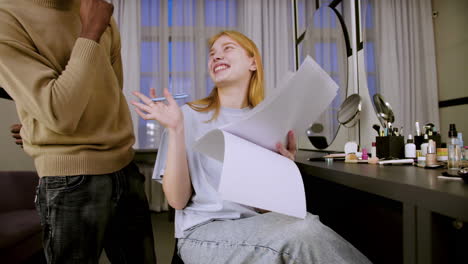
(348, 114)
(383, 110)
(325, 40)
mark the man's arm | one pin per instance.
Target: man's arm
(40, 90)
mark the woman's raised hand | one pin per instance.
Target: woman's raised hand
(167, 114)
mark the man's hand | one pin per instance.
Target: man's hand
(289, 151)
(95, 18)
(15, 133)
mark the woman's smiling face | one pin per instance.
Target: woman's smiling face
(229, 62)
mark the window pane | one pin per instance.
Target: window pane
(221, 13)
(369, 17)
(324, 18)
(150, 12)
(326, 56)
(301, 15)
(181, 57)
(150, 57)
(181, 13)
(372, 84)
(369, 56)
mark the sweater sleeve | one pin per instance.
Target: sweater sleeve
(56, 99)
(116, 57)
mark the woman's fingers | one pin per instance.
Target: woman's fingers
(141, 114)
(169, 97)
(142, 106)
(283, 151)
(143, 97)
(292, 144)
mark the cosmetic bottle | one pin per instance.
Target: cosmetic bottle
(373, 150)
(454, 151)
(410, 148)
(424, 145)
(431, 157)
(442, 153)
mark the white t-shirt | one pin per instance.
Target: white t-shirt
(206, 203)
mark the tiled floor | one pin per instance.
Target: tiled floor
(163, 231)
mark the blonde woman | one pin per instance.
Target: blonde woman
(212, 230)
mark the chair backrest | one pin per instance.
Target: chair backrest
(17, 190)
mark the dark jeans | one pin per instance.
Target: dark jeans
(83, 214)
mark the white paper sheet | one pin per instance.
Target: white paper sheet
(253, 173)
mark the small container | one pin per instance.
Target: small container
(364, 154)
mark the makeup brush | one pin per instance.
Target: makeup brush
(376, 128)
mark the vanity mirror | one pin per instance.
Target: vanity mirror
(383, 110)
(326, 40)
(349, 111)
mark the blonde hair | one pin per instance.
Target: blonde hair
(256, 85)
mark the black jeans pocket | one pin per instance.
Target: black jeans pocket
(63, 183)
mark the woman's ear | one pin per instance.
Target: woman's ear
(253, 65)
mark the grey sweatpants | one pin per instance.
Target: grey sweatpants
(267, 238)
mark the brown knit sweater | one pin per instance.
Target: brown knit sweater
(67, 90)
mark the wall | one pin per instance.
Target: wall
(451, 42)
(12, 157)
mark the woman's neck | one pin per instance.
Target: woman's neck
(233, 96)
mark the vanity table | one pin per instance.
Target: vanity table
(393, 214)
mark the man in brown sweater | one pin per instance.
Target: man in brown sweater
(60, 62)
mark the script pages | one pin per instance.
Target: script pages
(254, 174)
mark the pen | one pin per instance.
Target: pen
(176, 96)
